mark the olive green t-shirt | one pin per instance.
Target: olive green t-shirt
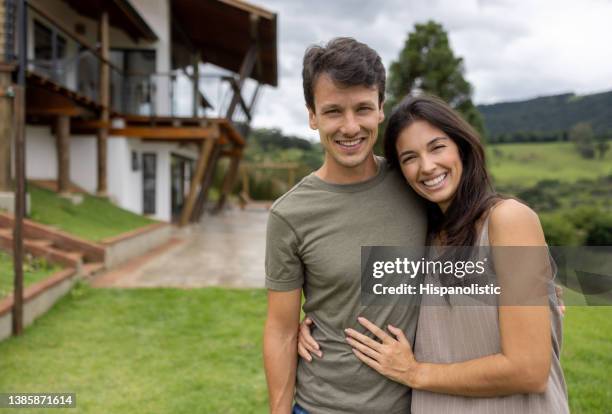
(314, 238)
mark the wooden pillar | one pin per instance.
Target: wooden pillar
(62, 137)
(105, 103)
(6, 132)
(195, 62)
(246, 68)
(228, 181)
(207, 180)
(205, 150)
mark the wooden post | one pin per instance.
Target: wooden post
(20, 197)
(62, 139)
(205, 150)
(228, 181)
(207, 180)
(105, 103)
(195, 62)
(6, 132)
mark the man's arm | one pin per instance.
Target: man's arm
(280, 348)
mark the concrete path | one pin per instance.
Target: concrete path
(224, 250)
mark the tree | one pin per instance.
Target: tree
(428, 64)
(581, 135)
(602, 145)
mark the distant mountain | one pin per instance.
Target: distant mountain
(547, 118)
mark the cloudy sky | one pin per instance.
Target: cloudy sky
(512, 49)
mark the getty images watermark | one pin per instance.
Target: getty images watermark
(486, 276)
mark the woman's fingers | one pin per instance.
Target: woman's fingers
(306, 340)
(380, 334)
(367, 360)
(366, 340)
(399, 334)
(364, 349)
(303, 352)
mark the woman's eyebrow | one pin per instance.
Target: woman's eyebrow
(405, 153)
(436, 139)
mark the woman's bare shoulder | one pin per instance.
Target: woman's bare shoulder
(513, 223)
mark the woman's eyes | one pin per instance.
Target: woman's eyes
(437, 147)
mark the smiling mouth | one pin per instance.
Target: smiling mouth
(350, 143)
(434, 182)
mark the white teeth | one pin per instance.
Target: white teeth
(350, 143)
(435, 181)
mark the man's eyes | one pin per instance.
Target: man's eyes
(364, 109)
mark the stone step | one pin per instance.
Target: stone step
(92, 268)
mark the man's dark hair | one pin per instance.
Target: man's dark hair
(347, 62)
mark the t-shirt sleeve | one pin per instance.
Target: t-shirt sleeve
(284, 269)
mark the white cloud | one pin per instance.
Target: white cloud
(512, 49)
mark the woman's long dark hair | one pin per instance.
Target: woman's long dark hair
(475, 194)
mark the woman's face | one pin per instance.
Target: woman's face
(430, 162)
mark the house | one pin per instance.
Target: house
(139, 100)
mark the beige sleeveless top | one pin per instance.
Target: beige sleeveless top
(447, 334)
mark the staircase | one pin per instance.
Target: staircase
(55, 246)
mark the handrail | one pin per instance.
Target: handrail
(75, 36)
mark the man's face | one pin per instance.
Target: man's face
(347, 119)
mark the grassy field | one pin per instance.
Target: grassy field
(199, 351)
(34, 270)
(94, 219)
(526, 164)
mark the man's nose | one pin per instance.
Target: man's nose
(350, 126)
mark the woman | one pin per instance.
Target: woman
(507, 356)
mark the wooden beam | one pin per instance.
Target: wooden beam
(189, 133)
(238, 94)
(104, 102)
(228, 182)
(62, 136)
(205, 150)
(207, 180)
(246, 68)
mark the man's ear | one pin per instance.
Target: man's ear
(312, 119)
(381, 112)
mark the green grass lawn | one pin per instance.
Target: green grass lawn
(34, 270)
(199, 351)
(526, 164)
(94, 219)
(145, 351)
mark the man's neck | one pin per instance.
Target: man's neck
(334, 173)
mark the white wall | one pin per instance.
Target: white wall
(124, 185)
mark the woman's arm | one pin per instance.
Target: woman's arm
(523, 364)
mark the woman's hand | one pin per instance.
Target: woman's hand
(306, 343)
(392, 357)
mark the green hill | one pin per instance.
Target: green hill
(547, 118)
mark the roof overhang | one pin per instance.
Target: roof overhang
(121, 14)
(222, 31)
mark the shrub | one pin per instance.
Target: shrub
(558, 230)
(600, 232)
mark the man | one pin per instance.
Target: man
(314, 239)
